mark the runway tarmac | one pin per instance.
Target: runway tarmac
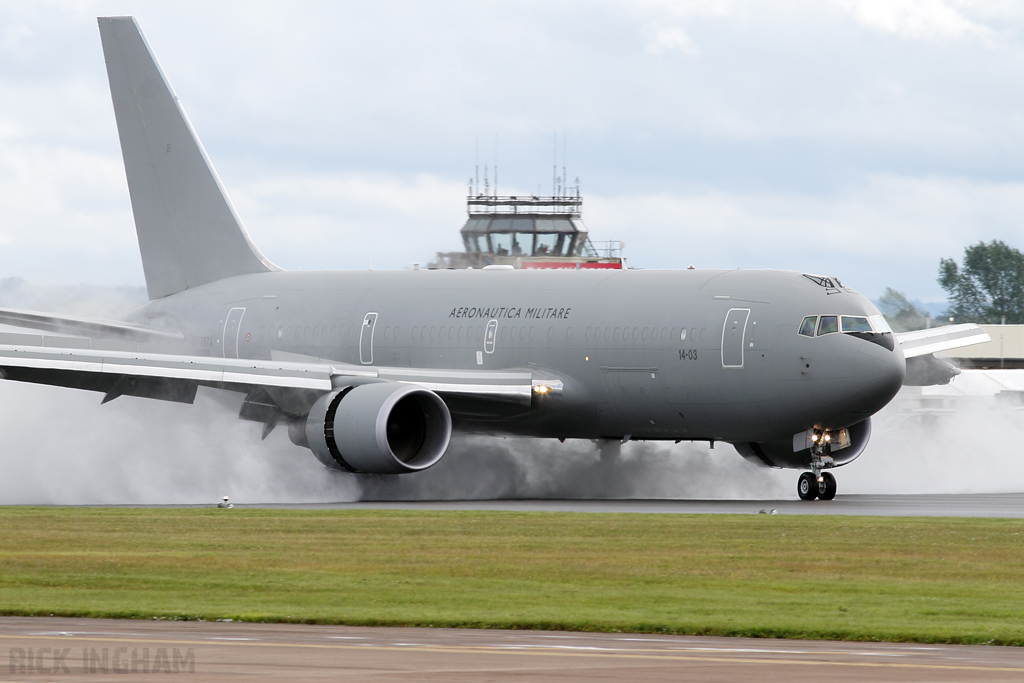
(102, 649)
(959, 505)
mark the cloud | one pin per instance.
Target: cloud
(885, 231)
(346, 132)
(342, 220)
(919, 19)
(672, 38)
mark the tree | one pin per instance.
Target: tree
(901, 314)
(989, 286)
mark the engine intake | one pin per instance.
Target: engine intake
(380, 428)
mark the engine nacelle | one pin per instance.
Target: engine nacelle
(379, 428)
(786, 453)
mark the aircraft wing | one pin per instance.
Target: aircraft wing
(175, 378)
(86, 327)
(924, 342)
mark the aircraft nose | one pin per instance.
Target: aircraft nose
(878, 375)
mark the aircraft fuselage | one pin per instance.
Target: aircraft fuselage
(695, 354)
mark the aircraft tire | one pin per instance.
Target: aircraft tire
(829, 485)
(807, 486)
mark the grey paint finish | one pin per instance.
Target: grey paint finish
(180, 205)
(612, 338)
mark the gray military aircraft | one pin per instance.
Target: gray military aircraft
(372, 370)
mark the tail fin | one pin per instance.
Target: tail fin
(189, 233)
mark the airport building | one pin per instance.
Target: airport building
(529, 232)
(1005, 351)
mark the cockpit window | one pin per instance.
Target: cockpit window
(848, 324)
(855, 324)
(880, 324)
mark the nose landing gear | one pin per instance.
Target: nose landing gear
(818, 484)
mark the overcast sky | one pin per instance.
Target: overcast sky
(859, 138)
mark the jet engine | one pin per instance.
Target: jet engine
(841, 446)
(379, 428)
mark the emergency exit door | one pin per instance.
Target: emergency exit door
(733, 334)
(366, 338)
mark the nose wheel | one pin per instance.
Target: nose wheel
(809, 487)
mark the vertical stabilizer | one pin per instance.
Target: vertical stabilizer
(189, 233)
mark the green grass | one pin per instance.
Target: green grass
(866, 578)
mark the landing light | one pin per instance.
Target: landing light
(541, 389)
(828, 437)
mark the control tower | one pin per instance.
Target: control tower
(529, 232)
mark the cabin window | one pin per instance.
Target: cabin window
(807, 326)
(828, 324)
(568, 333)
(280, 332)
(855, 324)
(533, 332)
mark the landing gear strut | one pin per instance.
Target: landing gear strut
(818, 484)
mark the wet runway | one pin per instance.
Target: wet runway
(101, 649)
(960, 505)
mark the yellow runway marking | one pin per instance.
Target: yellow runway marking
(541, 650)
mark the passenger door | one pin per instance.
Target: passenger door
(366, 338)
(733, 333)
(232, 327)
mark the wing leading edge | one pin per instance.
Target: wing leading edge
(92, 328)
(175, 378)
(924, 342)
